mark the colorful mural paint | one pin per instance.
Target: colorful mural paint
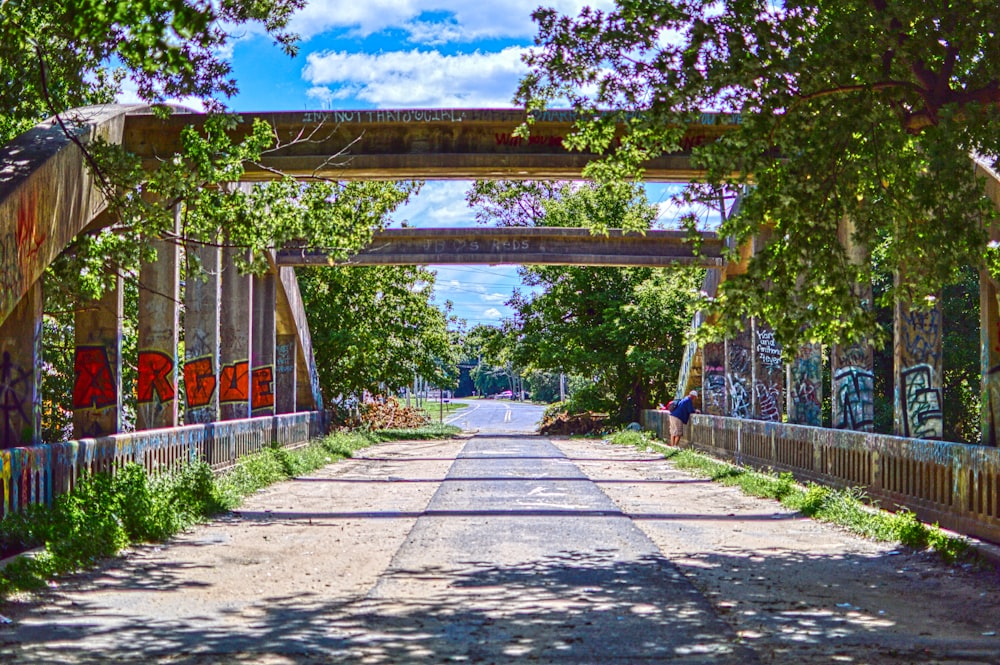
(263, 388)
(199, 382)
(95, 386)
(853, 387)
(234, 383)
(805, 386)
(918, 359)
(713, 379)
(739, 369)
(155, 377)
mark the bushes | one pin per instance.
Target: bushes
(849, 508)
(106, 513)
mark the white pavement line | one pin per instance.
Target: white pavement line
(462, 414)
(506, 415)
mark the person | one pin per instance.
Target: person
(680, 415)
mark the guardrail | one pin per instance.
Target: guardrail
(37, 474)
(953, 484)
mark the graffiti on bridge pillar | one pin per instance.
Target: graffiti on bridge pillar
(768, 373)
(739, 370)
(199, 389)
(805, 386)
(917, 363)
(853, 387)
(262, 389)
(713, 378)
(234, 383)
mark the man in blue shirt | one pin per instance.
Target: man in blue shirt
(680, 415)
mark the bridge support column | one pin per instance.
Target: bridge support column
(201, 335)
(917, 362)
(739, 375)
(852, 365)
(768, 373)
(805, 386)
(713, 379)
(20, 359)
(159, 296)
(263, 338)
(989, 332)
(285, 368)
(234, 339)
(97, 394)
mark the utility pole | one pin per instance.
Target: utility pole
(562, 386)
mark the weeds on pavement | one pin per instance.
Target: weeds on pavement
(849, 508)
(106, 513)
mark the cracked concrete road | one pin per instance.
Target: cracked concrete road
(504, 548)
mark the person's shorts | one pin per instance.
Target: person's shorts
(676, 426)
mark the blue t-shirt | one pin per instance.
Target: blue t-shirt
(683, 410)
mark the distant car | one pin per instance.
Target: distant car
(505, 394)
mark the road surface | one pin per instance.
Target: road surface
(504, 548)
(496, 416)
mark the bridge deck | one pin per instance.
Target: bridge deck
(522, 246)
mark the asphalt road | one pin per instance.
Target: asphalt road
(494, 416)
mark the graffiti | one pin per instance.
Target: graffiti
(768, 401)
(739, 396)
(263, 388)
(155, 377)
(95, 386)
(852, 355)
(551, 141)
(806, 385)
(15, 400)
(10, 275)
(29, 239)
(199, 382)
(367, 117)
(922, 417)
(768, 349)
(234, 383)
(284, 357)
(854, 387)
(920, 334)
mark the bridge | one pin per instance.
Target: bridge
(249, 377)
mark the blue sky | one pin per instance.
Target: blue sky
(363, 54)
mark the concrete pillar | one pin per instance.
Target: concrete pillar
(989, 330)
(234, 339)
(768, 373)
(97, 394)
(201, 334)
(805, 386)
(739, 374)
(285, 389)
(713, 379)
(262, 354)
(20, 380)
(159, 315)
(852, 365)
(917, 361)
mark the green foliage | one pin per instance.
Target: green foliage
(60, 54)
(374, 327)
(622, 328)
(848, 111)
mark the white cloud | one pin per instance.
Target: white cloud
(130, 95)
(430, 21)
(492, 313)
(496, 297)
(416, 78)
(439, 203)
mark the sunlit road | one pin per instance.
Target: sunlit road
(489, 416)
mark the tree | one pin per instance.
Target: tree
(861, 110)
(373, 328)
(623, 328)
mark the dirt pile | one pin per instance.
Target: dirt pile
(587, 422)
(386, 412)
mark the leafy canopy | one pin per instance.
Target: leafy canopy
(860, 110)
(622, 328)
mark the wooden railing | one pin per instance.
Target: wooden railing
(953, 484)
(40, 473)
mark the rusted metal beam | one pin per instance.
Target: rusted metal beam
(521, 246)
(455, 144)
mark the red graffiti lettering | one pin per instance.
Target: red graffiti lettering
(95, 386)
(29, 239)
(155, 377)
(263, 387)
(199, 381)
(234, 383)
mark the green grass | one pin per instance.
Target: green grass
(105, 514)
(848, 508)
(433, 409)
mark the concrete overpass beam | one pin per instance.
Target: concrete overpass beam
(20, 380)
(97, 385)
